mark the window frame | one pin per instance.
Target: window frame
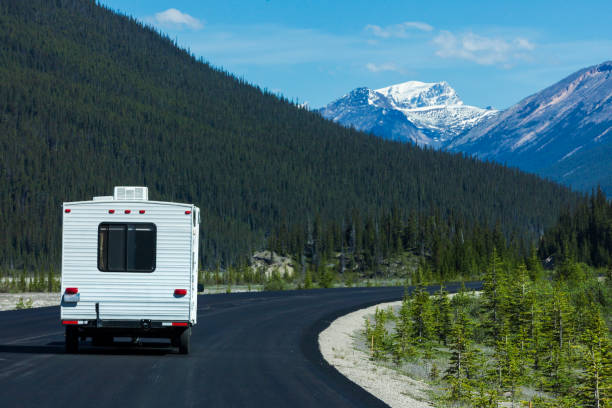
(126, 252)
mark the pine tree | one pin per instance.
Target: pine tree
(461, 361)
(518, 306)
(421, 316)
(403, 341)
(442, 316)
(485, 397)
(538, 342)
(509, 364)
(557, 332)
(534, 265)
(378, 336)
(494, 296)
(596, 356)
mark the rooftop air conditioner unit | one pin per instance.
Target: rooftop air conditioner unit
(131, 193)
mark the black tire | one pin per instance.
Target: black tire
(72, 339)
(185, 341)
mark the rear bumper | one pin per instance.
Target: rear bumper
(119, 328)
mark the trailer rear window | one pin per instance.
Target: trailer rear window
(126, 247)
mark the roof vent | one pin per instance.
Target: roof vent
(131, 193)
(103, 198)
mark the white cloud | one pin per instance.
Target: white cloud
(401, 30)
(523, 43)
(418, 25)
(482, 50)
(389, 66)
(175, 19)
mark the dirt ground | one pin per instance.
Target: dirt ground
(8, 301)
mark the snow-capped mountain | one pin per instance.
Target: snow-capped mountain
(366, 110)
(563, 132)
(428, 114)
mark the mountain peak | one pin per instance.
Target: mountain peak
(428, 113)
(417, 94)
(363, 94)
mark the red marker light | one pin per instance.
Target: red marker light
(180, 324)
(111, 211)
(180, 292)
(70, 322)
(72, 291)
(187, 212)
(128, 211)
(142, 211)
(67, 210)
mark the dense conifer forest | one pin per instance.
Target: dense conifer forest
(424, 247)
(583, 235)
(447, 247)
(90, 99)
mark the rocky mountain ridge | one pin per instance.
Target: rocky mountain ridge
(563, 132)
(427, 114)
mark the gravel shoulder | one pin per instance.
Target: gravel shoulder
(340, 347)
(8, 301)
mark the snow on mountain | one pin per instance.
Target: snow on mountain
(416, 94)
(366, 110)
(429, 114)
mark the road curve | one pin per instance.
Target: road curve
(248, 349)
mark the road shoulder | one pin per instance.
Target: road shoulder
(338, 347)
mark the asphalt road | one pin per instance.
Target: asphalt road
(248, 349)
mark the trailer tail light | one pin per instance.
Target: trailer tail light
(180, 324)
(128, 211)
(142, 211)
(67, 210)
(111, 211)
(71, 295)
(187, 212)
(180, 292)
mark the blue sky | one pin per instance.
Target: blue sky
(492, 53)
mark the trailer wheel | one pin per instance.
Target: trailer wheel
(72, 339)
(185, 341)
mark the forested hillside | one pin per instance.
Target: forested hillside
(90, 99)
(582, 235)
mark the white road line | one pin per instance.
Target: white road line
(34, 337)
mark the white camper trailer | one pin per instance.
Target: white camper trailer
(129, 269)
